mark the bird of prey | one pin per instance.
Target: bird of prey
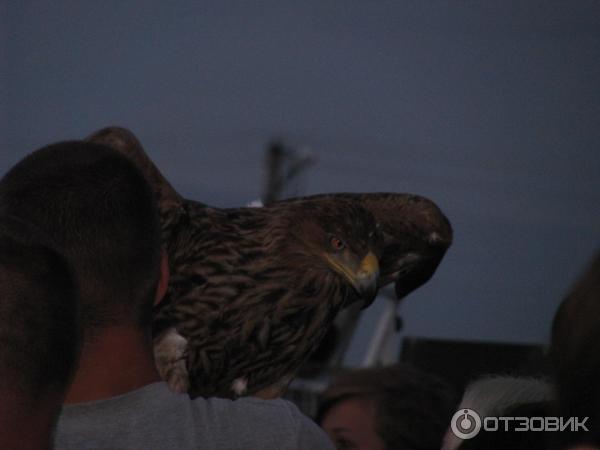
(252, 291)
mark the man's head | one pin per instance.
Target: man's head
(575, 356)
(40, 334)
(96, 205)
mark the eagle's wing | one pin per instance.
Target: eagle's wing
(170, 203)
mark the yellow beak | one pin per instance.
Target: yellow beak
(366, 278)
(363, 275)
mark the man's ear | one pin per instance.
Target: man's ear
(163, 280)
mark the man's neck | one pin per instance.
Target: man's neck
(25, 424)
(116, 361)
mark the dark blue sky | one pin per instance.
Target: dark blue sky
(492, 109)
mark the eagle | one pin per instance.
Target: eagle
(253, 290)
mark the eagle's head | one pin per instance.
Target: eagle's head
(335, 241)
(362, 242)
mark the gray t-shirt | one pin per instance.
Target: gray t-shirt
(153, 417)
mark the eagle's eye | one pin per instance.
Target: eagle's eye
(336, 244)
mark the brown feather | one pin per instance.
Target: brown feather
(250, 289)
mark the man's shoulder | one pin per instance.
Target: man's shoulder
(154, 415)
(251, 410)
(277, 420)
(247, 405)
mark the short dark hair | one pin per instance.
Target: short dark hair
(412, 408)
(102, 212)
(575, 356)
(40, 333)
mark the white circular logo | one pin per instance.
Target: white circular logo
(465, 424)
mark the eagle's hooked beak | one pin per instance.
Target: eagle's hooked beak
(365, 280)
(362, 275)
